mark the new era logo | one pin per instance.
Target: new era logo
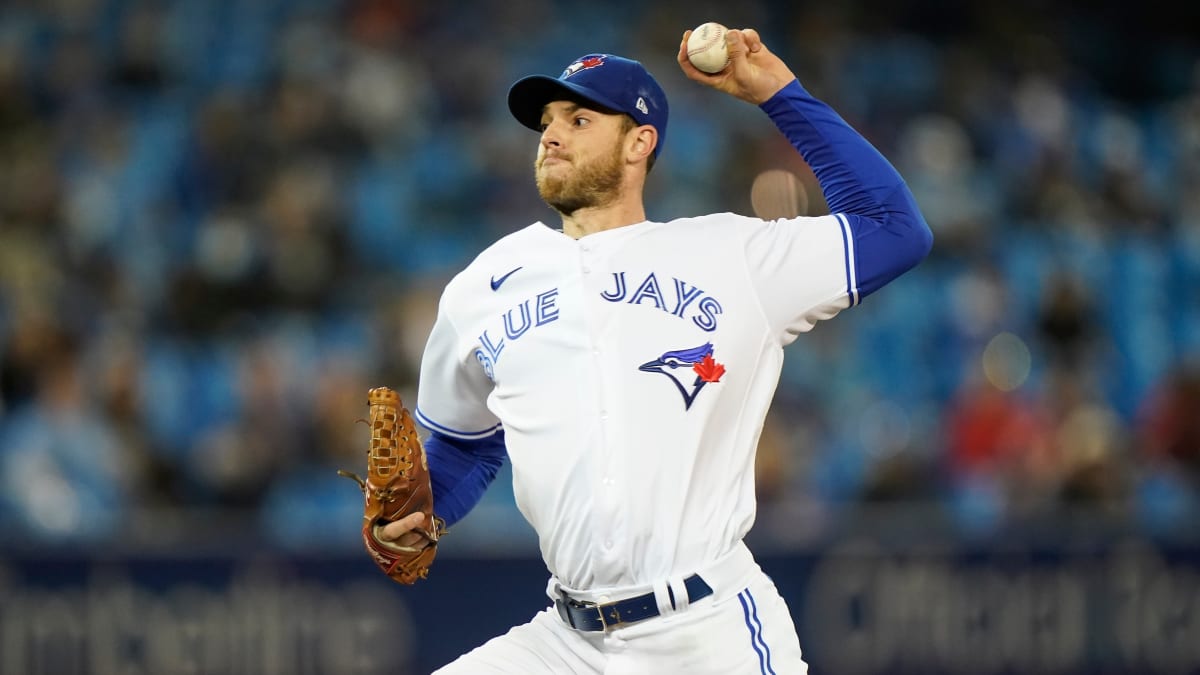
(641, 105)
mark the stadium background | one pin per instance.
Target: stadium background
(221, 221)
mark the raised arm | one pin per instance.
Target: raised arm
(860, 186)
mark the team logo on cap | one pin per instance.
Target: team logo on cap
(696, 369)
(582, 64)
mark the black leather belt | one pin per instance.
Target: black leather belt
(589, 616)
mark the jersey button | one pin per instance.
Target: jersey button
(608, 544)
(587, 270)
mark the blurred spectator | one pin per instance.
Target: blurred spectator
(32, 345)
(116, 367)
(997, 437)
(1066, 323)
(1090, 446)
(956, 193)
(1169, 424)
(63, 475)
(1167, 436)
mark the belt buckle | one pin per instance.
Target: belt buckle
(591, 608)
(565, 603)
(609, 611)
(609, 615)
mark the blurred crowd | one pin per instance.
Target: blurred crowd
(221, 221)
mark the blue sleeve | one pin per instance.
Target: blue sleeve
(461, 471)
(859, 184)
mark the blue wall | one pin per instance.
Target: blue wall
(1129, 606)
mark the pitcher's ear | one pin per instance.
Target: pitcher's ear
(644, 141)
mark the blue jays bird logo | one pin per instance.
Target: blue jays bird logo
(698, 361)
(583, 64)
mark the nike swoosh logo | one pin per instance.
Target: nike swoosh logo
(496, 282)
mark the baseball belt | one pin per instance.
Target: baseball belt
(590, 616)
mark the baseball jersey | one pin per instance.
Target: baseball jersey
(632, 370)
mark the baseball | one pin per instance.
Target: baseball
(706, 47)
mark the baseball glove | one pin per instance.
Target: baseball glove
(397, 485)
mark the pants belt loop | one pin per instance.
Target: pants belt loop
(662, 598)
(680, 592)
(560, 604)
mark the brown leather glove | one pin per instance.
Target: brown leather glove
(397, 485)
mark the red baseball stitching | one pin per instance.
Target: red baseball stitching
(720, 35)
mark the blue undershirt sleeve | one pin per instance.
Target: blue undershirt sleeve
(890, 234)
(461, 470)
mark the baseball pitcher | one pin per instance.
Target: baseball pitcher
(625, 368)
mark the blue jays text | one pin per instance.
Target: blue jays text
(687, 302)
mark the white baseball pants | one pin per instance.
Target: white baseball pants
(743, 628)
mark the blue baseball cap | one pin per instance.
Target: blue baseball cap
(612, 83)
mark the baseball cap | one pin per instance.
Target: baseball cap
(613, 83)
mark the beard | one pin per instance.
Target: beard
(595, 184)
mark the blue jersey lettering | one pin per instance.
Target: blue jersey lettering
(649, 289)
(547, 310)
(707, 308)
(618, 294)
(516, 322)
(512, 331)
(684, 296)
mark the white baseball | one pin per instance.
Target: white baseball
(706, 47)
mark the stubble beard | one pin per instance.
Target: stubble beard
(589, 186)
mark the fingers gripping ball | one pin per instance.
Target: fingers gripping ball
(397, 485)
(706, 47)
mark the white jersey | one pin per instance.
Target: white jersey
(631, 371)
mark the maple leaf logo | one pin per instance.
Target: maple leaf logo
(708, 369)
